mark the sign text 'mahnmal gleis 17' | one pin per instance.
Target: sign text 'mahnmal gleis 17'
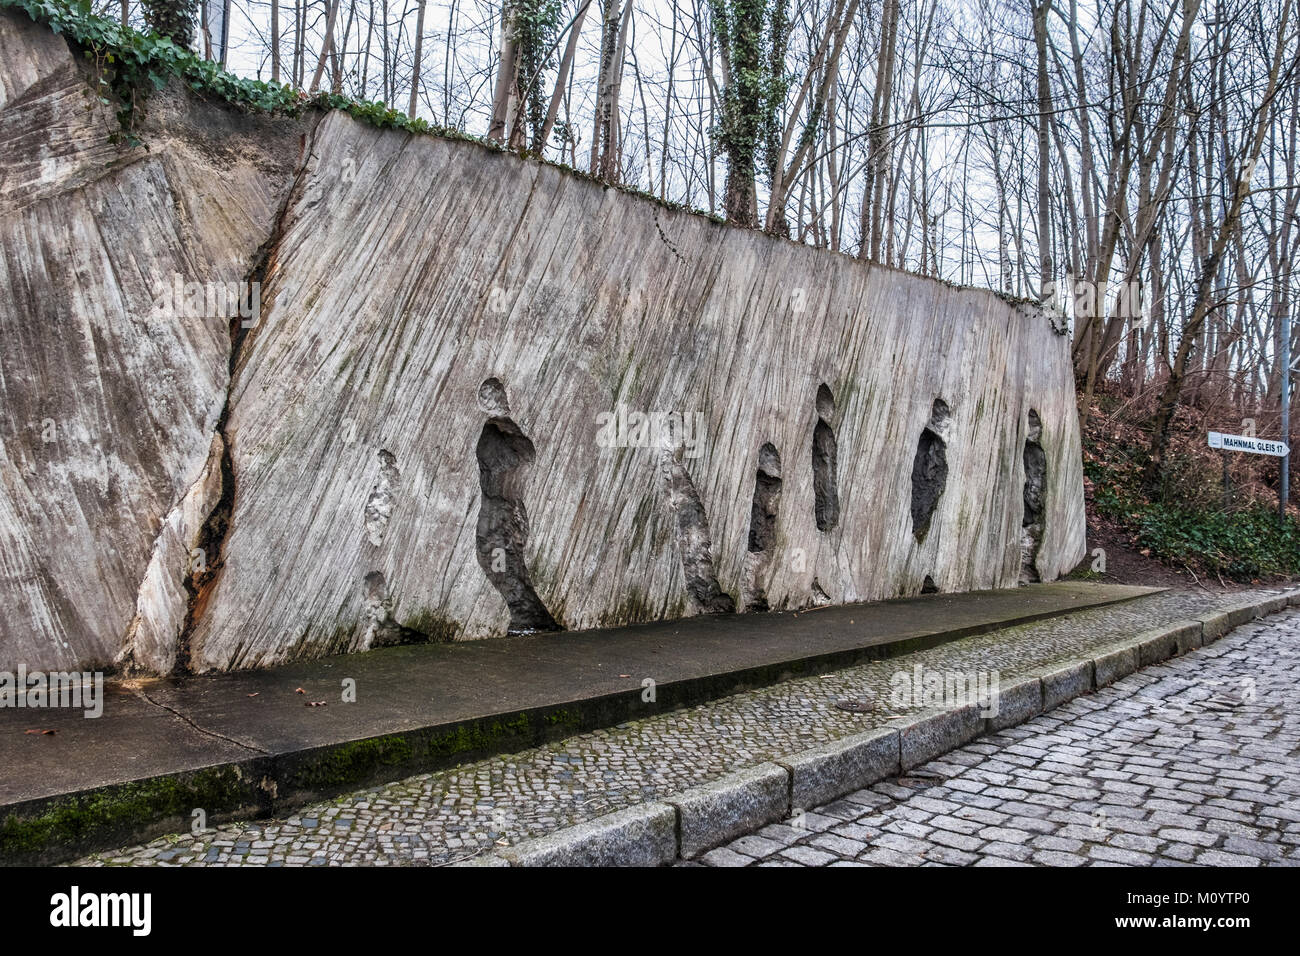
(1257, 446)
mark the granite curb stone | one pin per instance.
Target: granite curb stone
(822, 774)
(924, 739)
(1020, 701)
(1066, 683)
(643, 835)
(730, 807)
(1157, 645)
(1116, 663)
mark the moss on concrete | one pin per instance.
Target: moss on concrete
(477, 736)
(438, 628)
(353, 763)
(120, 809)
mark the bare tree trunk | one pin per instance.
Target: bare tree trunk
(275, 40)
(326, 45)
(822, 70)
(507, 76)
(1046, 272)
(299, 19)
(338, 51)
(604, 142)
(878, 138)
(562, 77)
(415, 70)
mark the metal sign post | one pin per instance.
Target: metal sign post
(1283, 489)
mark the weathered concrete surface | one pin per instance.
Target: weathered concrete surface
(109, 460)
(403, 274)
(454, 266)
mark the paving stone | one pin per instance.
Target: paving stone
(950, 856)
(855, 831)
(957, 841)
(838, 844)
(1181, 851)
(1116, 854)
(1056, 858)
(885, 856)
(1013, 851)
(784, 833)
(1195, 837)
(1219, 858)
(956, 824)
(808, 856)
(755, 846)
(725, 857)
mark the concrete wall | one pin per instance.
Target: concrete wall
(340, 501)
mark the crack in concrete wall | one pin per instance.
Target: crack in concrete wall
(212, 536)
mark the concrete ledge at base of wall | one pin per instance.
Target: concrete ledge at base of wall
(684, 825)
(730, 807)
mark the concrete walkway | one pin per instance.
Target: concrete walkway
(251, 744)
(514, 801)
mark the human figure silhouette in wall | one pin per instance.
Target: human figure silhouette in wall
(930, 468)
(1031, 534)
(504, 453)
(826, 498)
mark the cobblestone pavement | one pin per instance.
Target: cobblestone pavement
(1192, 762)
(456, 814)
